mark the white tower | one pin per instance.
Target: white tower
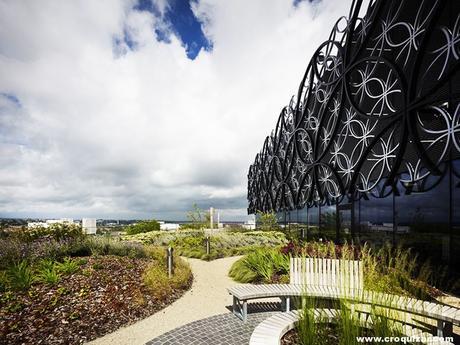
(211, 216)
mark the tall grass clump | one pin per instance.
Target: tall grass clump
(396, 270)
(261, 266)
(68, 266)
(348, 324)
(308, 327)
(19, 276)
(156, 277)
(375, 318)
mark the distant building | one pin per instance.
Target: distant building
(168, 226)
(250, 224)
(49, 222)
(89, 225)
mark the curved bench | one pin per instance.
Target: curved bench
(445, 316)
(271, 330)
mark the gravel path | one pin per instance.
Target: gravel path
(207, 297)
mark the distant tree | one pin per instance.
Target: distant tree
(198, 218)
(144, 226)
(267, 221)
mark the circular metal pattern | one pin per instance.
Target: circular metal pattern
(378, 109)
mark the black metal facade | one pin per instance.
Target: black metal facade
(377, 112)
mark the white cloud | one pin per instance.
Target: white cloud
(150, 131)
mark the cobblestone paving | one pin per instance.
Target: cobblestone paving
(223, 329)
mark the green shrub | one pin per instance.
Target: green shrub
(48, 275)
(309, 333)
(267, 221)
(98, 266)
(241, 273)
(68, 266)
(191, 243)
(109, 246)
(346, 324)
(160, 285)
(19, 276)
(55, 231)
(143, 227)
(260, 266)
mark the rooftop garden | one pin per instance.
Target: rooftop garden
(58, 285)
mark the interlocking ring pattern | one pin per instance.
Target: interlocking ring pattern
(377, 110)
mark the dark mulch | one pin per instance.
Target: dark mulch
(291, 338)
(104, 295)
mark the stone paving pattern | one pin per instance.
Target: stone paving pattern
(224, 329)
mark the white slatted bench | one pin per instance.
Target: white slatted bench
(271, 330)
(303, 272)
(445, 316)
(329, 280)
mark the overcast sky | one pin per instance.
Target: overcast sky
(138, 109)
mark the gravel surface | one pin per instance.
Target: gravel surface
(207, 297)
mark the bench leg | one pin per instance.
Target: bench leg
(285, 303)
(240, 309)
(444, 329)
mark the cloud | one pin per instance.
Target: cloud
(96, 124)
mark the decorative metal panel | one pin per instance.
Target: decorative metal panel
(377, 110)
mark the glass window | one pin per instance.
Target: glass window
(328, 221)
(374, 219)
(422, 215)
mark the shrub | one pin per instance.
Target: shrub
(242, 273)
(347, 324)
(198, 218)
(68, 266)
(48, 275)
(19, 276)
(108, 246)
(393, 270)
(267, 221)
(309, 333)
(191, 243)
(260, 266)
(142, 227)
(156, 278)
(12, 251)
(55, 231)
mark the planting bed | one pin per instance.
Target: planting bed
(105, 293)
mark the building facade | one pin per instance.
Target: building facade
(369, 147)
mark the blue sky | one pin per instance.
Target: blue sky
(183, 22)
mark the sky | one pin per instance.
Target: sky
(138, 109)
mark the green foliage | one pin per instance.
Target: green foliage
(382, 321)
(48, 275)
(260, 266)
(309, 333)
(191, 243)
(68, 266)
(267, 221)
(198, 218)
(156, 277)
(393, 270)
(348, 324)
(142, 227)
(104, 245)
(97, 266)
(19, 276)
(55, 231)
